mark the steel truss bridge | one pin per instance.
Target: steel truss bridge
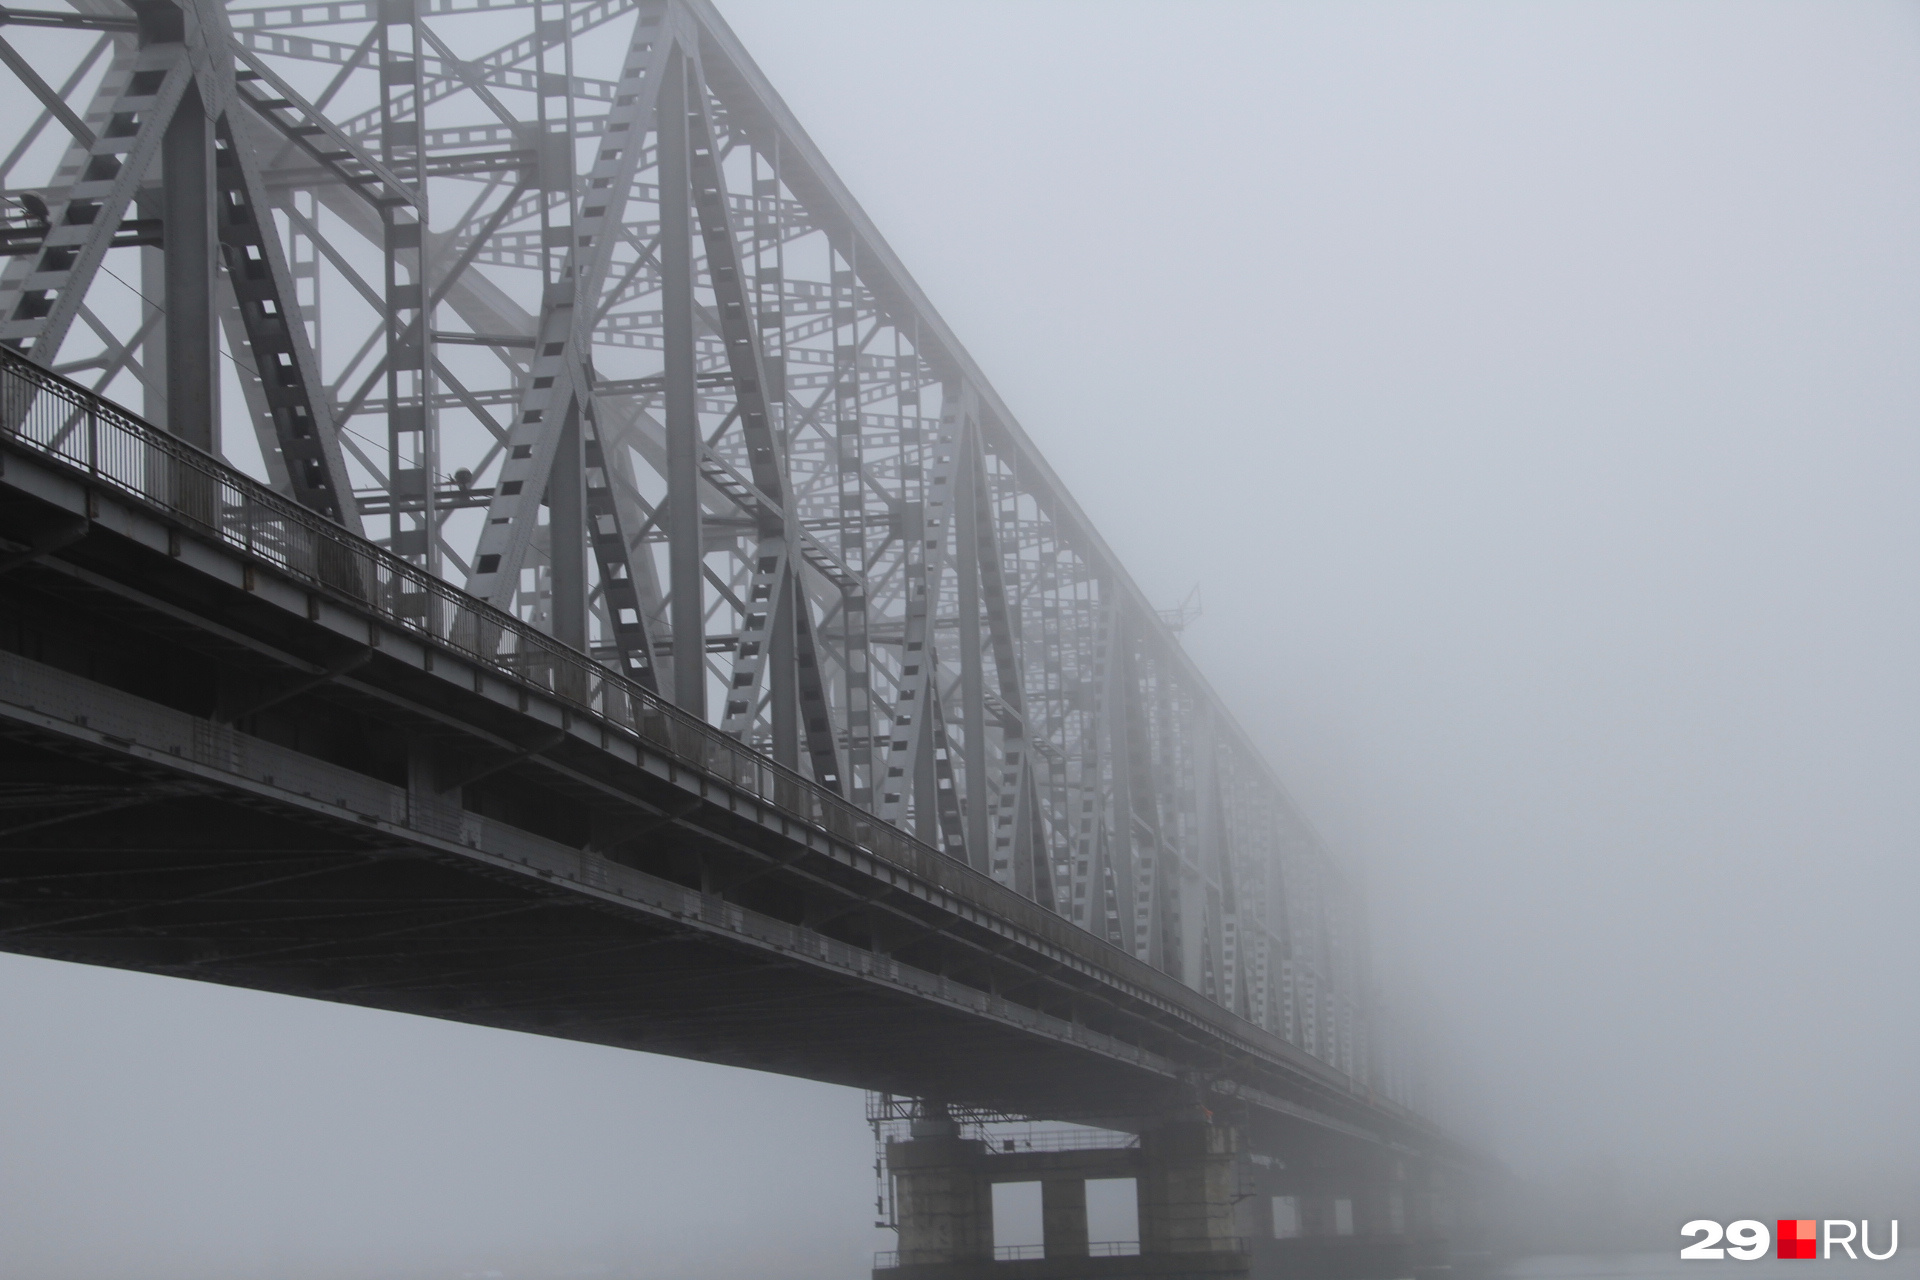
(555, 570)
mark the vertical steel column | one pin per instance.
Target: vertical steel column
(1119, 706)
(926, 524)
(860, 770)
(192, 345)
(410, 444)
(915, 477)
(973, 686)
(553, 141)
(1093, 871)
(566, 533)
(1018, 856)
(1049, 715)
(684, 551)
(303, 264)
(150, 204)
(848, 459)
(1181, 930)
(1214, 852)
(783, 682)
(926, 782)
(769, 278)
(1151, 873)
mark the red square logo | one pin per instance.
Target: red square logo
(1795, 1238)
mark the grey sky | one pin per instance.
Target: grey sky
(1530, 388)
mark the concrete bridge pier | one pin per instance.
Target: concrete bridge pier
(1188, 1184)
(1185, 1180)
(1063, 1216)
(942, 1203)
(1447, 1227)
(1332, 1215)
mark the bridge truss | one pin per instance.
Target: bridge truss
(555, 299)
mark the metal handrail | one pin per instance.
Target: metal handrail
(889, 1259)
(84, 430)
(1098, 1140)
(66, 421)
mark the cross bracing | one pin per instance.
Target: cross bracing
(558, 301)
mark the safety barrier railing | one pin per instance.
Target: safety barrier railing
(67, 422)
(889, 1259)
(1094, 1140)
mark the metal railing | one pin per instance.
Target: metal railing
(67, 422)
(1092, 1140)
(889, 1259)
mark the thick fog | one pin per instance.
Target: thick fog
(1532, 392)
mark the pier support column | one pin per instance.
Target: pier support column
(1429, 1247)
(1186, 1187)
(1063, 1216)
(1347, 1214)
(943, 1205)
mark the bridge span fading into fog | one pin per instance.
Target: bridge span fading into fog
(491, 531)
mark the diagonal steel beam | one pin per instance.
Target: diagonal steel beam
(738, 324)
(560, 343)
(920, 670)
(55, 103)
(41, 296)
(816, 714)
(755, 644)
(620, 575)
(300, 414)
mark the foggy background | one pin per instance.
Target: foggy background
(1531, 390)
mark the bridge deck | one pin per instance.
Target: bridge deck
(225, 766)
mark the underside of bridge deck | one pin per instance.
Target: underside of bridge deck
(113, 859)
(213, 772)
(118, 851)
